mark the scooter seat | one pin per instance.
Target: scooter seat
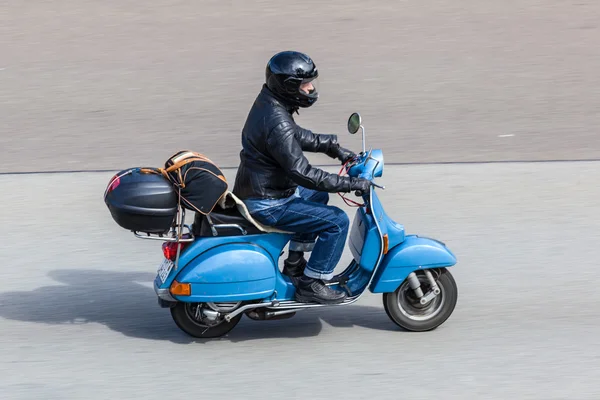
(230, 216)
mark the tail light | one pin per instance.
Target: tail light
(116, 181)
(170, 249)
(112, 185)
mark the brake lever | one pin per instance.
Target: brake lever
(359, 193)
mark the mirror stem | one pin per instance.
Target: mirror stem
(363, 138)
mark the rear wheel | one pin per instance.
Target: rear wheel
(405, 310)
(201, 321)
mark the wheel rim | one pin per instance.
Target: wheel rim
(409, 304)
(190, 311)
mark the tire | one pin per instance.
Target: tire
(182, 315)
(403, 309)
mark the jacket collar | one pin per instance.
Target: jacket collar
(277, 100)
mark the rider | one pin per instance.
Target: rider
(279, 186)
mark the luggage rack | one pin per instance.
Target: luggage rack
(171, 238)
(189, 236)
(174, 237)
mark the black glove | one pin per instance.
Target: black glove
(345, 155)
(341, 153)
(362, 186)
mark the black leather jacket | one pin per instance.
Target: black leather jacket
(272, 163)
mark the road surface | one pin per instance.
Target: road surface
(79, 318)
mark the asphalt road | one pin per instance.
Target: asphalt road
(79, 319)
(88, 84)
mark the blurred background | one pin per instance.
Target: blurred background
(94, 87)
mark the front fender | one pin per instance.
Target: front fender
(413, 253)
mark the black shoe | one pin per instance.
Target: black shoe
(315, 291)
(295, 269)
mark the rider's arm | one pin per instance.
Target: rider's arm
(315, 142)
(321, 143)
(287, 151)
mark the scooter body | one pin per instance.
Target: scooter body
(224, 277)
(246, 268)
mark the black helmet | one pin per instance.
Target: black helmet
(286, 71)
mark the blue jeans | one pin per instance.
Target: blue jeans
(307, 214)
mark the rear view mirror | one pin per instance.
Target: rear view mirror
(354, 123)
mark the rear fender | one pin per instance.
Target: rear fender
(230, 272)
(412, 254)
(195, 254)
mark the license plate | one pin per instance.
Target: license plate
(164, 269)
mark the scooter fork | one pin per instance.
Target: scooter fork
(435, 290)
(415, 285)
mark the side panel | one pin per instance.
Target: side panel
(268, 248)
(273, 243)
(412, 254)
(364, 240)
(231, 272)
(387, 225)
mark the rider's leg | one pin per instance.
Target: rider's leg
(331, 224)
(300, 243)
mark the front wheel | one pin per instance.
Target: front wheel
(405, 310)
(191, 318)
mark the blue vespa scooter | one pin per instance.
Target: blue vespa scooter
(209, 281)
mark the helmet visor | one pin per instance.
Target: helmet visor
(310, 87)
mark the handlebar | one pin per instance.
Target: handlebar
(349, 167)
(359, 193)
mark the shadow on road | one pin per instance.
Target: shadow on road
(121, 302)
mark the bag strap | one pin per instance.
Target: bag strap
(186, 161)
(182, 158)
